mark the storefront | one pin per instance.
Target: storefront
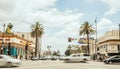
(15, 46)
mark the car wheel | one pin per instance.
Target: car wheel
(8, 64)
(85, 59)
(107, 62)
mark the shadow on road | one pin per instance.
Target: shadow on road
(113, 64)
(74, 62)
(9, 67)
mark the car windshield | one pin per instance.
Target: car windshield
(113, 57)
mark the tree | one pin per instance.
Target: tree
(86, 29)
(67, 52)
(55, 53)
(37, 31)
(76, 49)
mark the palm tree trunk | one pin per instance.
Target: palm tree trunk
(40, 46)
(88, 44)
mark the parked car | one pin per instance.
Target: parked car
(62, 58)
(9, 61)
(42, 58)
(113, 59)
(54, 57)
(77, 58)
(35, 58)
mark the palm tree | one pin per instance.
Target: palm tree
(86, 29)
(37, 32)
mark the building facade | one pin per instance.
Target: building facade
(109, 44)
(82, 45)
(25, 35)
(15, 46)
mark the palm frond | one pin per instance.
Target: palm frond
(37, 29)
(86, 28)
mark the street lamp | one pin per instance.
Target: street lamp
(48, 47)
(2, 48)
(119, 39)
(96, 40)
(119, 32)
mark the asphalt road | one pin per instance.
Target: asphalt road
(48, 64)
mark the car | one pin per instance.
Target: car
(35, 58)
(77, 58)
(9, 61)
(61, 57)
(42, 58)
(112, 59)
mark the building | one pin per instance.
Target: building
(80, 45)
(109, 44)
(25, 35)
(15, 46)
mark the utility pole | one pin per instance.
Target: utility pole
(119, 40)
(3, 44)
(26, 50)
(96, 40)
(119, 32)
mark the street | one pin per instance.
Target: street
(48, 64)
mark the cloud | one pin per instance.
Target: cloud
(59, 40)
(58, 25)
(114, 6)
(105, 25)
(22, 10)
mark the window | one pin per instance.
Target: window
(116, 57)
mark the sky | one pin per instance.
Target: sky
(61, 18)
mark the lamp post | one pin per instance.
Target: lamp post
(49, 51)
(119, 32)
(96, 40)
(2, 48)
(26, 51)
(119, 39)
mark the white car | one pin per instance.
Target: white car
(9, 61)
(77, 58)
